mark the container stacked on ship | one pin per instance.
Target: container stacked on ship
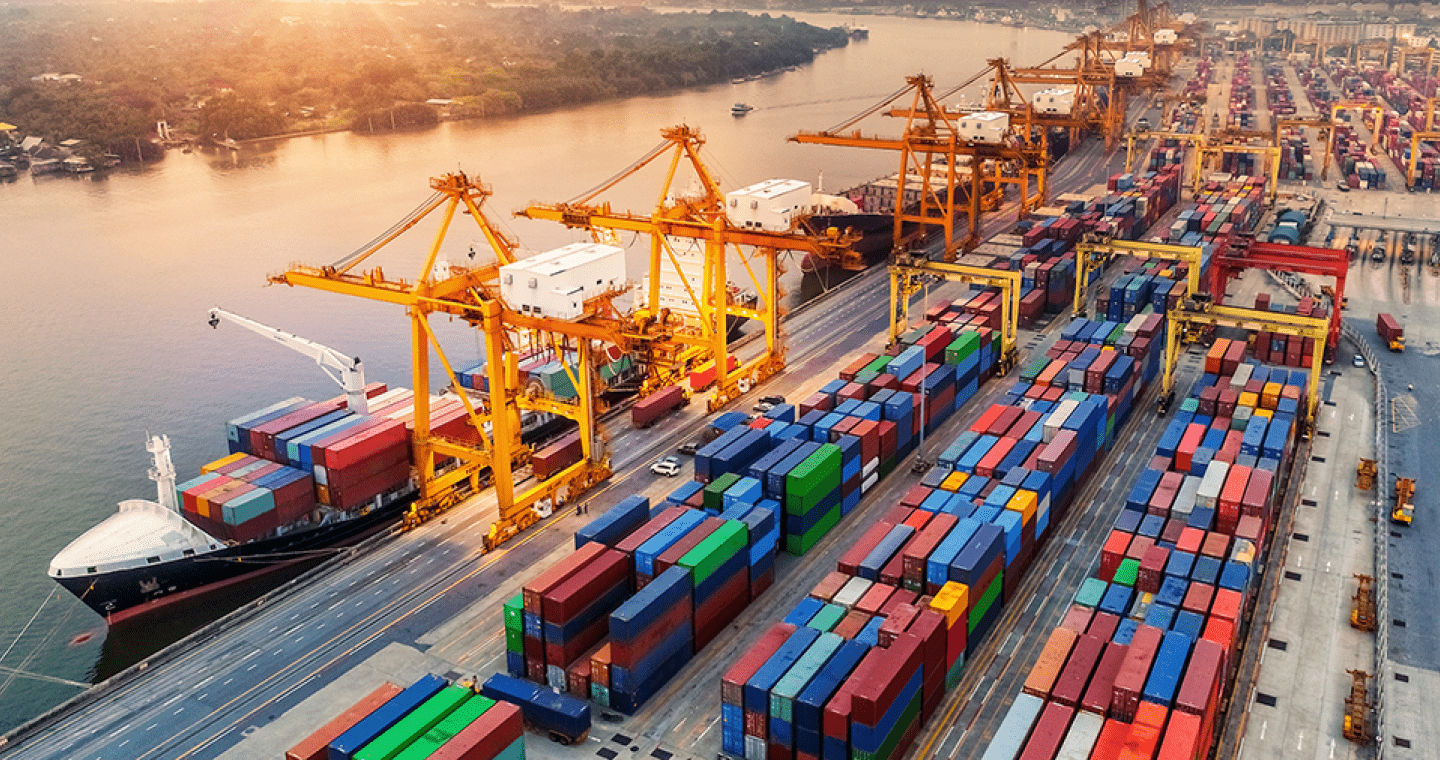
(1146, 651)
(855, 669)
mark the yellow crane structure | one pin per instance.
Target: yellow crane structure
(1212, 152)
(1196, 141)
(1088, 109)
(1188, 322)
(1427, 135)
(931, 148)
(1429, 59)
(471, 294)
(1375, 110)
(909, 272)
(673, 343)
(1091, 254)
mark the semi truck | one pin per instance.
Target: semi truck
(1391, 332)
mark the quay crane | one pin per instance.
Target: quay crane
(345, 370)
(932, 147)
(692, 331)
(471, 294)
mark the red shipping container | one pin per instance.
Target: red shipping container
(645, 532)
(721, 608)
(875, 599)
(839, 710)
(1104, 625)
(1227, 604)
(1199, 691)
(1049, 732)
(1113, 554)
(567, 599)
(849, 563)
(918, 549)
(896, 622)
(316, 746)
(1070, 686)
(600, 667)
(732, 684)
(625, 653)
(1133, 671)
(879, 685)
(1182, 739)
(533, 592)
(669, 557)
(1144, 736)
(828, 586)
(1198, 598)
(1190, 540)
(851, 625)
(853, 368)
(1078, 618)
(495, 729)
(915, 496)
(1152, 569)
(1111, 741)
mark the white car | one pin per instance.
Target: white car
(669, 467)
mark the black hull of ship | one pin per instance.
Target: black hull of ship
(125, 595)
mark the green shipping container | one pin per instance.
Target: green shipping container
(446, 729)
(964, 345)
(1191, 405)
(411, 727)
(866, 377)
(599, 694)
(828, 617)
(982, 606)
(878, 365)
(514, 641)
(1028, 374)
(1128, 571)
(514, 606)
(714, 493)
(1091, 592)
(782, 695)
(956, 671)
(717, 548)
(799, 545)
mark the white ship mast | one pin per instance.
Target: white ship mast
(163, 472)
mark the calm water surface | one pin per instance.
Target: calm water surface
(109, 279)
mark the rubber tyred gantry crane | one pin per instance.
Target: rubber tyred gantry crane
(1245, 254)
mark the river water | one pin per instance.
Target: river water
(109, 279)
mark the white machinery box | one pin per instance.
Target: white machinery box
(983, 127)
(557, 283)
(769, 205)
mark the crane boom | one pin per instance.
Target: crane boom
(345, 370)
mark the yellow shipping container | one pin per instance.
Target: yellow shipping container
(1249, 399)
(218, 463)
(1025, 502)
(1270, 396)
(952, 601)
(954, 481)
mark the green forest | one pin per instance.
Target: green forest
(243, 69)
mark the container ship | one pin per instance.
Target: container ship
(302, 478)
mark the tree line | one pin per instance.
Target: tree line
(242, 69)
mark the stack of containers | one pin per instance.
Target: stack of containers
(651, 638)
(963, 537)
(791, 475)
(1148, 646)
(240, 497)
(429, 719)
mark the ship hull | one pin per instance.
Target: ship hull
(126, 595)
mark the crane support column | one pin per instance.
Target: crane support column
(502, 436)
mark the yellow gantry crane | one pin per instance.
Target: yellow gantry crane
(1195, 140)
(1184, 323)
(932, 148)
(471, 294)
(1374, 109)
(1090, 254)
(908, 273)
(675, 341)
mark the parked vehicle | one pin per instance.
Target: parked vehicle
(669, 467)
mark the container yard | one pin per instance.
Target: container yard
(914, 552)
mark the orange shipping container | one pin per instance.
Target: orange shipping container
(1052, 660)
(1215, 358)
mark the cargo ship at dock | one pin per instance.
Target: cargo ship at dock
(302, 480)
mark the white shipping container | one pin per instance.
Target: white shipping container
(1010, 737)
(1054, 100)
(1241, 376)
(769, 205)
(1208, 494)
(1136, 322)
(984, 127)
(557, 283)
(1057, 418)
(1166, 37)
(849, 595)
(1081, 738)
(1185, 498)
